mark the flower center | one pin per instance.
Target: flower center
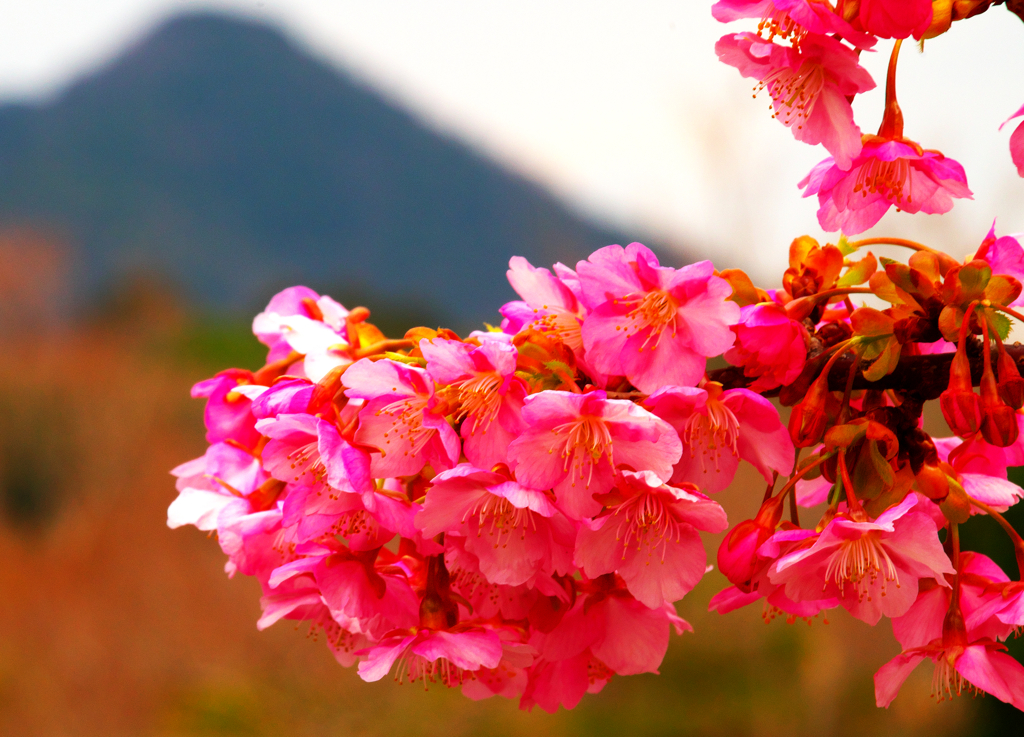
(647, 523)
(860, 562)
(306, 459)
(887, 178)
(564, 325)
(715, 431)
(778, 23)
(793, 92)
(407, 424)
(478, 398)
(499, 518)
(946, 680)
(586, 441)
(655, 310)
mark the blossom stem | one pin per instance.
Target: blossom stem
(1015, 538)
(381, 347)
(266, 375)
(1012, 313)
(903, 242)
(851, 497)
(892, 121)
(791, 484)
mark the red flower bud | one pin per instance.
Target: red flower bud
(1011, 385)
(999, 421)
(808, 419)
(960, 405)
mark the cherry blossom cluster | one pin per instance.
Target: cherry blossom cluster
(516, 512)
(806, 55)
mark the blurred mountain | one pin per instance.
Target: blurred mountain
(219, 154)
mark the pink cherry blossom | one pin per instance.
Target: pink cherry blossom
(1017, 142)
(809, 87)
(896, 18)
(206, 485)
(885, 174)
(769, 346)
(980, 600)
(549, 304)
(357, 587)
(648, 535)
(653, 324)
(479, 383)
(873, 568)
(1005, 255)
(432, 655)
(718, 428)
(299, 599)
(307, 449)
(574, 442)
(398, 419)
(980, 663)
(298, 319)
(982, 470)
(788, 539)
(515, 533)
(605, 632)
(791, 19)
(228, 414)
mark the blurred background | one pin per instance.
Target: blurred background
(166, 166)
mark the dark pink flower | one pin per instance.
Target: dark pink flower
(431, 655)
(228, 414)
(362, 592)
(769, 346)
(574, 442)
(515, 533)
(479, 385)
(398, 418)
(717, 429)
(1005, 255)
(621, 633)
(809, 86)
(791, 19)
(549, 304)
(887, 173)
(648, 535)
(651, 323)
(896, 18)
(979, 663)
(872, 568)
(981, 583)
(982, 470)
(1017, 142)
(304, 449)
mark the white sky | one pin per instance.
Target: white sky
(618, 106)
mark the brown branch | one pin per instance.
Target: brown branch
(926, 376)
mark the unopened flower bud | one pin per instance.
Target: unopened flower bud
(1011, 385)
(960, 405)
(999, 421)
(808, 419)
(933, 482)
(737, 556)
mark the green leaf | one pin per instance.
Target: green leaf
(868, 322)
(859, 271)
(886, 362)
(974, 277)
(999, 322)
(844, 246)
